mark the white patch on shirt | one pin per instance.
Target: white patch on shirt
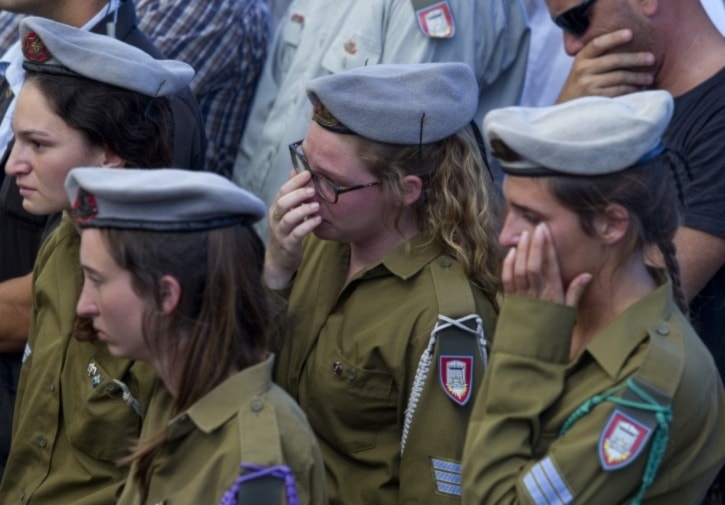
(448, 476)
(546, 486)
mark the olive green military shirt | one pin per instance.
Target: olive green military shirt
(247, 418)
(514, 451)
(71, 422)
(350, 359)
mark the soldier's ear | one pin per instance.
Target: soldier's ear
(612, 225)
(112, 160)
(170, 294)
(412, 189)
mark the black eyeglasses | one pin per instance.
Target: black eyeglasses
(328, 190)
(576, 19)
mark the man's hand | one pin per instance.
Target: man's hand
(600, 68)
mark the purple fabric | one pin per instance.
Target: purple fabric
(255, 472)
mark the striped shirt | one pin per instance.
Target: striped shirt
(226, 43)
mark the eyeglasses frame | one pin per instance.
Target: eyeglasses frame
(297, 154)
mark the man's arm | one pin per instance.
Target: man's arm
(16, 304)
(700, 255)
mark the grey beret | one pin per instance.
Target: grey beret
(586, 136)
(397, 104)
(163, 199)
(52, 47)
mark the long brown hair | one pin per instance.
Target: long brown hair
(648, 192)
(222, 319)
(135, 127)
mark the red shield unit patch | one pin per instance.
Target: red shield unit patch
(436, 21)
(622, 440)
(456, 377)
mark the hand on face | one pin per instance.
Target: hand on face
(532, 269)
(292, 216)
(600, 68)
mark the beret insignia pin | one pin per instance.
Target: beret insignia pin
(85, 207)
(34, 49)
(502, 151)
(324, 116)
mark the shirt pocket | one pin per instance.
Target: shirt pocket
(290, 36)
(353, 48)
(100, 423)
(349, 405)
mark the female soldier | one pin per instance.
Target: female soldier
(173, 277)
(384, 243)
(598, 391)
(88, 100)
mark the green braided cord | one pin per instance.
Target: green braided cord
(587, 406)
(659, 442)
(663, 415)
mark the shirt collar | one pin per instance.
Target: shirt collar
(614, 346)
(215, 408)
(409, 258)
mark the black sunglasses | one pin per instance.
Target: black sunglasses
(576, 19)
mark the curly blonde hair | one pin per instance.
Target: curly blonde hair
(459, 208)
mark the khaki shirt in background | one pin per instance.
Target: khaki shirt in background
(350, 358)
(247, 418)
(71, 423)
(514, 453)
(323, 37)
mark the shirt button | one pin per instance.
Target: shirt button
(445, 262)
(42, 442)
(52, 387)
(351, 375)
(663, 330)
(257, 405)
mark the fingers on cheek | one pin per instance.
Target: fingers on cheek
(522, 254)
(306, 227)
(507, 270)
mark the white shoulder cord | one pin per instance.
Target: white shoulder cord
(128, 397)
(427, 357)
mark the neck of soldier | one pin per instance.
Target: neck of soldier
(168, 371)
(685, 35)
(612, 290)
(370, 249)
